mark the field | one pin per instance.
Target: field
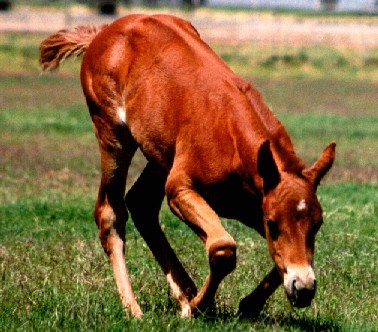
(53, 272)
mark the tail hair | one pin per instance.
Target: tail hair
(65, 43)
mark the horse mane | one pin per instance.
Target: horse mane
(278, 136)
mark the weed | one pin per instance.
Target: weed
(286, 59)
(371, 62)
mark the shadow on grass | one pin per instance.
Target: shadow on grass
(283, 321)
(307, 324)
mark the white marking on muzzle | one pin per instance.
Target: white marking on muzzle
(304, 277)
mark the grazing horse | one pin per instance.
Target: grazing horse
(213, 149)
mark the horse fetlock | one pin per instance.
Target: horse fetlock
(136, 311)
(186, 311)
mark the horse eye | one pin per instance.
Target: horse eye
(274, 232)
(316, 227)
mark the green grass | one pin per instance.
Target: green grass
(53, 272)
(55, 275)
(19, 54)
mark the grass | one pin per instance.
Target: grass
(55, 275)
(53, 272)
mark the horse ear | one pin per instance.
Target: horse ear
(267, 168)
(320, 168)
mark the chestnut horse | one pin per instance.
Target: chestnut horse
(213, 149)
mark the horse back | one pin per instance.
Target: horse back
(176, 96)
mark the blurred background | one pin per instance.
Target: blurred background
(48, 15)
(308, 58)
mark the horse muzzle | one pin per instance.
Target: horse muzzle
(300, 286)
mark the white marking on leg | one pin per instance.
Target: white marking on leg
(180, 296)
(186, 312)
(122, 279)
(301, 205)
(121, 113)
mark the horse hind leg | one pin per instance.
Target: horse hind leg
(111, 215)
(143, 201)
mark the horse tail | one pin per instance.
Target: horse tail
(65, 43)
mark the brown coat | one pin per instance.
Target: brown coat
(213, 146)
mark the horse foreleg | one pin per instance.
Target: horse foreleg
(220, 246)
(144, 201)
(252, 304)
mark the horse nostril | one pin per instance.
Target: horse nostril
(293, 283)
(302, 295)
(300, 287)
(314, 285)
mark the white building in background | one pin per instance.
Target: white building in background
(340, 5)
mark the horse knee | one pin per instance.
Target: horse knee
(222, 256)
(109, 225)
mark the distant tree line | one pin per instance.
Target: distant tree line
(5, 5)
(110, 6)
